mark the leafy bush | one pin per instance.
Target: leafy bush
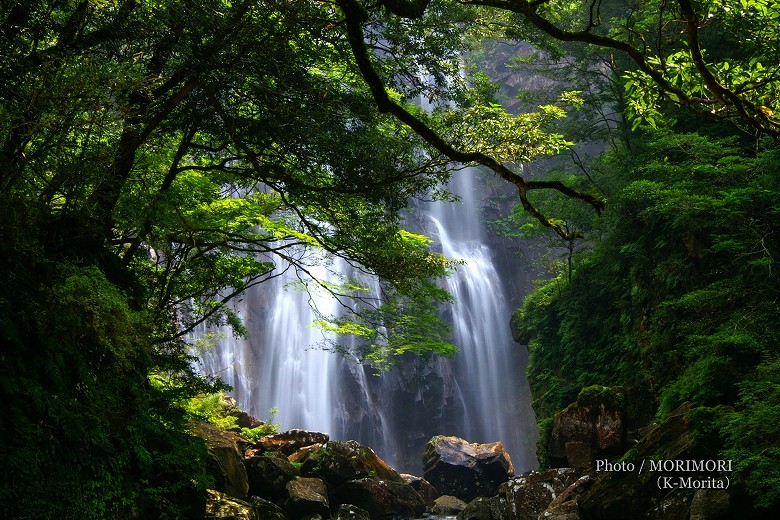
(83, 433)
(211, 408)
(754, 434)
(217, 409)
(269, 427)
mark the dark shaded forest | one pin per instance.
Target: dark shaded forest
(157, 158)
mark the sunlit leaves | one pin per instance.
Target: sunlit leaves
(489, 129)
(738, 44)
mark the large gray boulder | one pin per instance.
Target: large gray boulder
(466, 470)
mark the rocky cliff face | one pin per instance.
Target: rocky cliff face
(648, 482)
(591, 428)
(417, 394)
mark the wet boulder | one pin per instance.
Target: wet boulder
(225, 463)
(591, 428)
(448, 505)
(224, 507)
(266, 510)
(307, 497)
(303, 453)
(269, 474)
(292, 440)
(466, 470)
(381, 498)
(341, 461)
(423, 487)
(528, 496)
(565, 506)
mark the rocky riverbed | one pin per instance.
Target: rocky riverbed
(302, 475)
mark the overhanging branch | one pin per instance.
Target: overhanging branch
(747, 111)
(354, 16)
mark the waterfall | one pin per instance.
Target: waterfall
(277, 365)
(490, 369)
(481, 394)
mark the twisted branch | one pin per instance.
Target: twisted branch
(354, 16)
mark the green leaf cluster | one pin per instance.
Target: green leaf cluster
(83, 431)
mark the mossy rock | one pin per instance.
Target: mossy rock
(341, 461)
(686, 434)
(596, 394)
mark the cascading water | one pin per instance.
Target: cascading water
(276, 366)
(490, 369)
(481, 395)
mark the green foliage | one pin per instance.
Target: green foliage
(678, 301)
(254, 434)
(219, 410)
(488, 128)
(597, 394)
(754, 433)
(578, 219)
(737, 43)
(211, 408)
(83, 433)
(156, 159)
(406, 320)
(545, 429)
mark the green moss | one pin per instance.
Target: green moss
(542, 445)
(595, 394)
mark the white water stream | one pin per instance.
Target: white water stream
(481, 395)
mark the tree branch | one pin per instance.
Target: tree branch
(746, 110)
(354, 16)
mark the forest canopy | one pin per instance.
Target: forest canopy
(157, 158)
